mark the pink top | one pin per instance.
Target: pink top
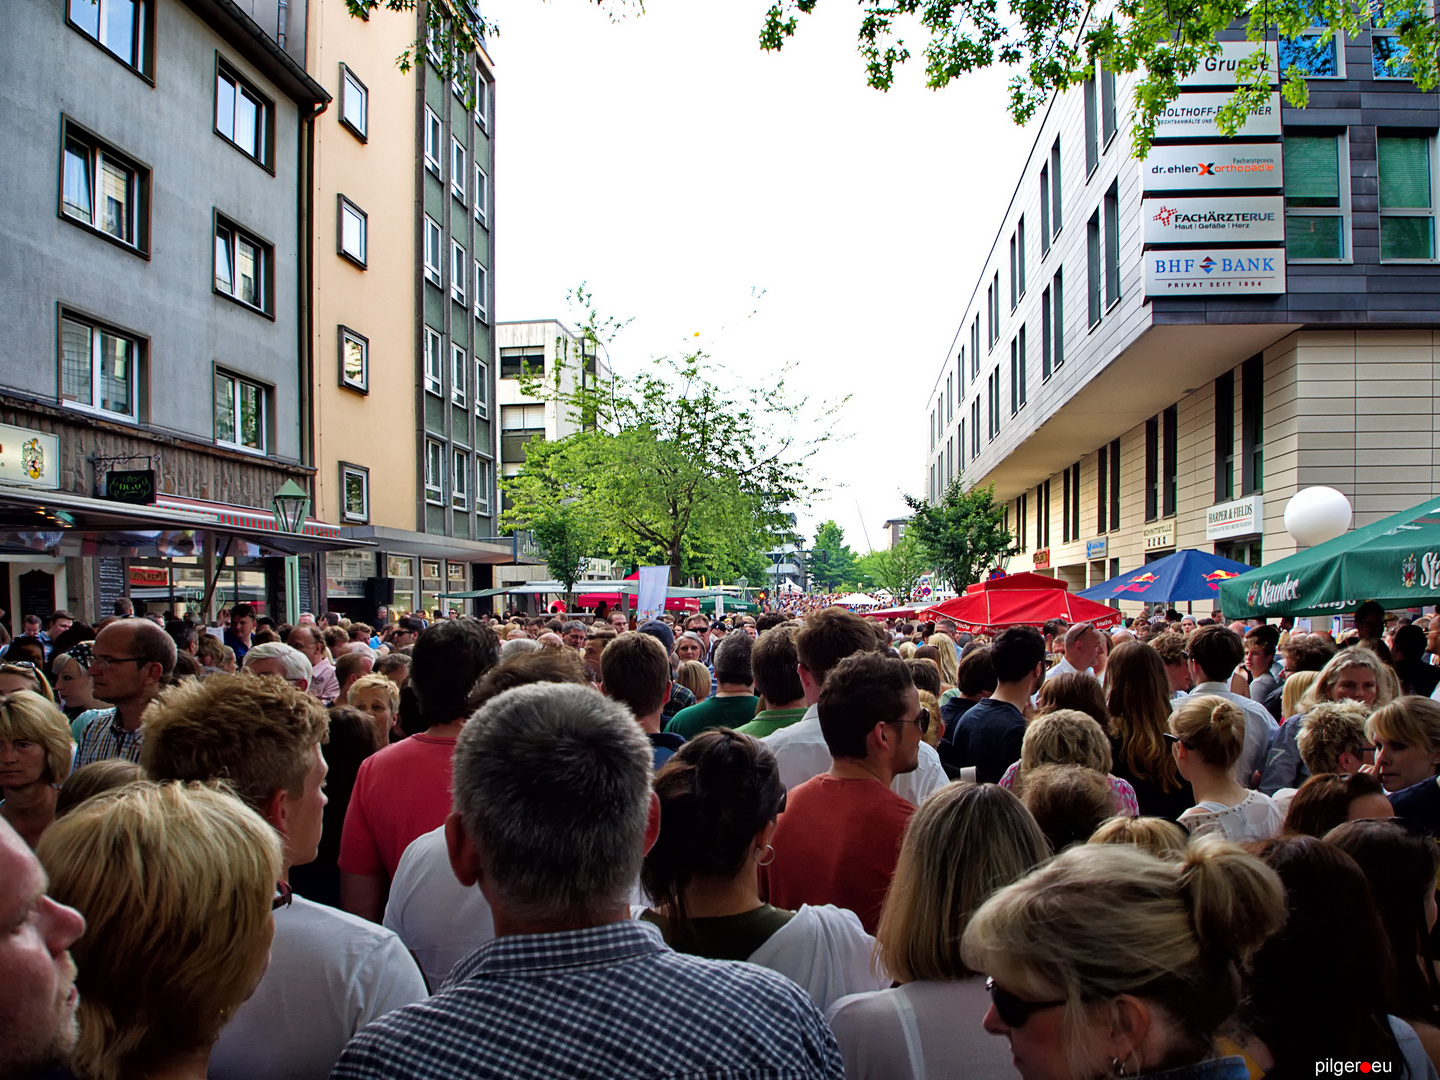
(1125, 802)
(400, 793)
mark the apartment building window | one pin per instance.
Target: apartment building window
(1092, 129)
(481, 292)
(484, 483)
(1252, 425)
(104, 190)
(523, 360)
(354, 360)
(434, 136)
(1023, 363)
(1407, 198)
(240, 419)
(1056, 219)
(1152, 469)
(98, 367)
(1020, 243)
(960, 443)
(960, 376)
(1096, 278)
(1312, 52)
(975, 348)
(1042, 525)
(482, 101)
(1021, 521)
(482, 196)
(1316, 194)
(990, 317)
(995, 301)
(1225, 437)
(433, 241)
(460, 480)
(1014, 375)
(459, 366)
(1102, 477)
(458, 259)
(353, 232)
(434, 359)
(354, 104)
(243, 115)
(1065, 530)
(242, 266)
(950, 461)
(355, 492)
(458, 169)
(1115, 484)
(434, 472)
(124, 28)
(949, 398)
(1075, 501)
(1045, 331)
(1014, 279)
(482, 388)
(992, 406)
(1112, 246)
(1057, 320)
(1170, 425)
(1107, 102)
(932, 429)
(975, 429)
(1044, 209)
(1388, 58)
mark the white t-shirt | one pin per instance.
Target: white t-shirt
(438, 919)
(825, 951)
(1255, 817)
(801, 753)
(330, 974)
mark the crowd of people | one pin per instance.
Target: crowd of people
(791, 845)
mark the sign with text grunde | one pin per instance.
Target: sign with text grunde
(1215, 272)
(1192, 116)
(1220, 70)
(1253, 219)
(1213, 167)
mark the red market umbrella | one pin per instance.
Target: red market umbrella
(1022, 599)
(672, 603)
(892, 613)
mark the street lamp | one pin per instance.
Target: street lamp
(291, 504)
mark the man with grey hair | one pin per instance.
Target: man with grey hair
(275, 658)
(734, 701)
(553, 814)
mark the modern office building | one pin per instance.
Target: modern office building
(154, 284)
(403, 330)
(1160, 353)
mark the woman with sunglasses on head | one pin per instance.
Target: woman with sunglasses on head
(23, 675)
(35, 751)
(1107, 961)
(965, 842)
(720, 794)
(73, 686)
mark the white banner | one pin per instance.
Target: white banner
(1220, 70)
(1256, 219)
(1214, 167)
(29, 457)
(1243, 517)
(1192, 116)
(1215, 272)
(654, 589)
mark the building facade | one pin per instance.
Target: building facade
(1160, 353)
(154, 276)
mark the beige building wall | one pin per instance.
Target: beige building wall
(373, 429)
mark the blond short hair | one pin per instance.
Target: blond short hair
(256, 734)
(1412, 720)
(695, 677)
(1065, 737)
(1159, 836)
(25, 714)
(375, 682)
(1292, 694)
(180, 876)
(1387, 685)
(1330, 729)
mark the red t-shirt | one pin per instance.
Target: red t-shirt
(836, 843)
(400, 793)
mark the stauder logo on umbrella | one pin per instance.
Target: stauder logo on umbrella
(1267, 592)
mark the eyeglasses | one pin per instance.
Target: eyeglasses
(283, 895)
(1016, 1011)
(922, 719)
(1175, 740)
(101, 660)
(25, 664)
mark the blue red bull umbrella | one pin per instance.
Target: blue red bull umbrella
(1187, 575)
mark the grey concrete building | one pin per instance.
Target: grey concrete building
(1159, 353)
(154, 269)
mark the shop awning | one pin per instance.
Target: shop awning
(63, 523)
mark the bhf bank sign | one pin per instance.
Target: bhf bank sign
(1214, 212)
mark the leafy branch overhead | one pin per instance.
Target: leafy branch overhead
(964, 533)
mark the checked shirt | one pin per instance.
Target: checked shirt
(605, 1002)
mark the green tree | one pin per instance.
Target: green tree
(567, 538)
(899, 568)
(831, 563)
(964, 533)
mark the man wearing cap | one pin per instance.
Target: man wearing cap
(680, 697)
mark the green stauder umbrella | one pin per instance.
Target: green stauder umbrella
(1395, 561)
(732, 604)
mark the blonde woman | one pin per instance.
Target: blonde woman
(1161, 838)
(378, 698)
(949, 662)
(1406, 734)
(177, 883)
(1297, 685)
(965, 842)
(35, 755)
(1110, 962)
(1207, 736)
(695, 677)
(1070, 737)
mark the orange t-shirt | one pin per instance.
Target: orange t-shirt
(400, 793)
(836, 843)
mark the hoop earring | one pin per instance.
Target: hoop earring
(1117, 1067)
(769, 856)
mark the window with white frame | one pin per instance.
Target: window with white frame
(484, 483)
(1316, 195)
(98, 367)
(458, 259)
(104, 190)
(243, 115)
(482, 196)
(458, 168)
(460, 480)
(434, 359)
(434, 471)
(354, 360)
(482, 388)
(482, 100)
(480, 292)
(354, 103)
(433, 137)
(125, 28)
(1407, 197)
(242, 266)
(239, 413)
(459, 367)
(1313, 54)
(355, 491)
(1388, 58)
(433, 241)
(352, 232)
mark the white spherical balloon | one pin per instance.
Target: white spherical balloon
(1316, 514)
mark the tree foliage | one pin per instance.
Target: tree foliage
(831, 563)
(898, 568)
(964, 533)
(566, 538)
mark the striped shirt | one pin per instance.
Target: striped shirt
(103, 738)
(607, 1001)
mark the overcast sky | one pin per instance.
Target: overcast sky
(680, 171)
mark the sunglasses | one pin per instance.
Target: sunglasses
(922, 720)
(1174, 740)
(1016, 1011)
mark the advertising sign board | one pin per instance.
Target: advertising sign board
(1254, 219)
(1215, 272)
(1192, 116)
(1213, 167)
(1220, 70)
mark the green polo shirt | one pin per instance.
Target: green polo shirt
(714, 712)
(771, 721)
